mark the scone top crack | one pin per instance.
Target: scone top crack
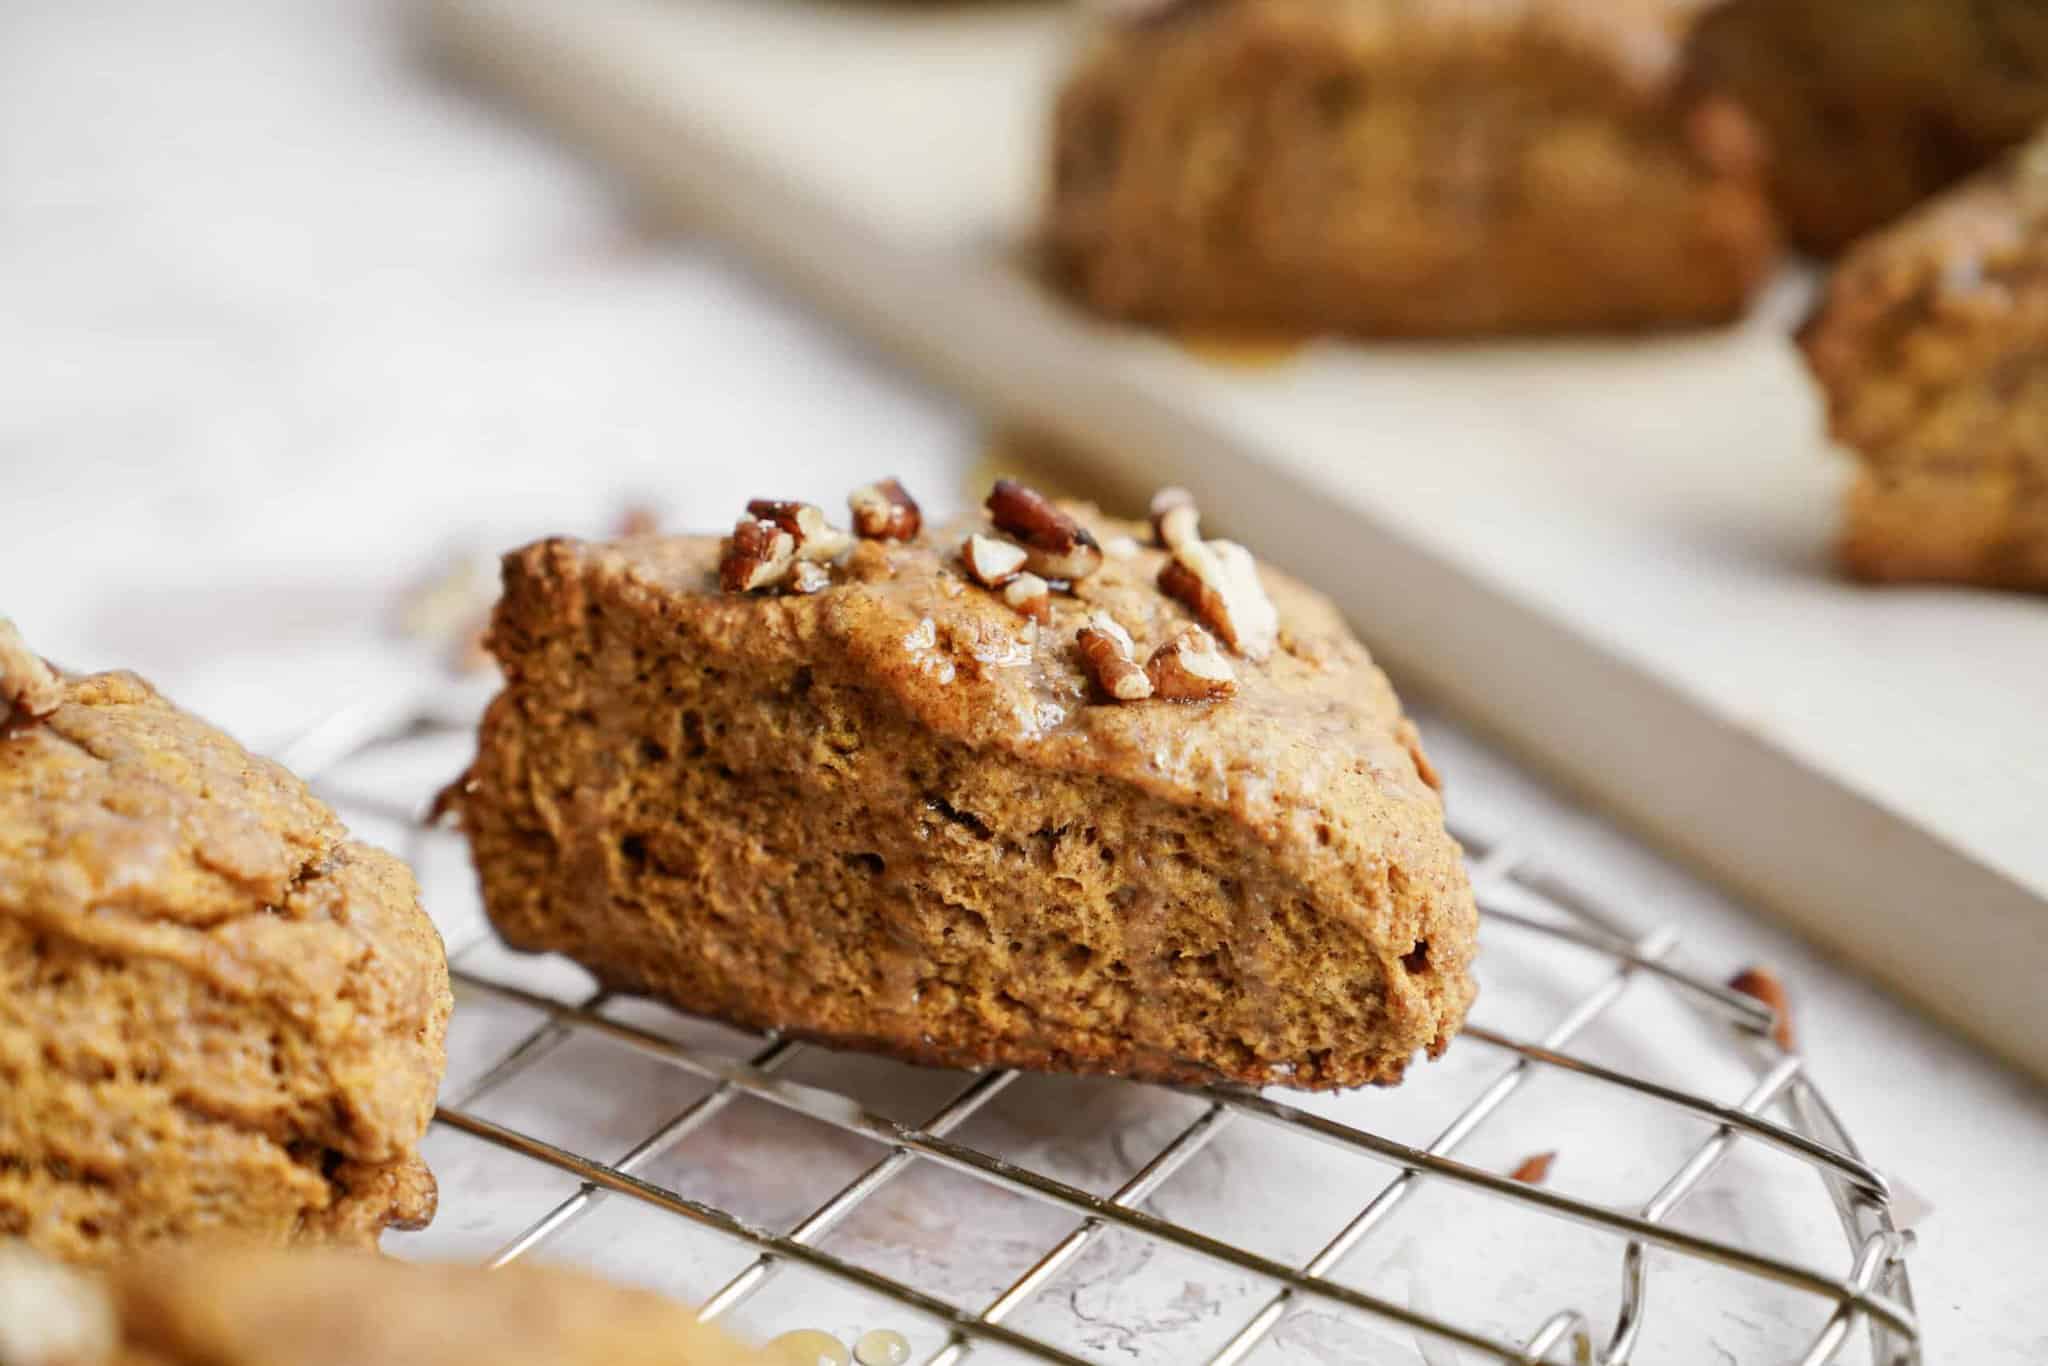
(901, 813)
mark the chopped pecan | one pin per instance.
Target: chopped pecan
(1764, 985)
(816, 538)
(809, 577)
(29, 688)
(758, 554)
(1189, 668)
(1175, 520)
(1059, 546)
(1030, 595)
(1219, 582)
(883, 511)
(990, 562)
(1112, 659)
(1534, 1170)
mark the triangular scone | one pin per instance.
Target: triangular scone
(898, 813)
(1405, 168)
(1931, 349)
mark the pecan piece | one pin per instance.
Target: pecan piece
(1030, 595)
(883, 511)
(816, 538)
(1059, 546)
(990, 562)
(1175, 520)
(1763, 984)
(1189, 668)
(1535, 1170)
(29, 687)
(1112, 659)
(1219, 582)
(758, 554)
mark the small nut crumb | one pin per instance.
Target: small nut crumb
(1175, 519)
(758, 554)
(1121, 547)
(809, 577)
(636, 519)
(1219, 582)
(29, 688)
(883, 511)
(1534, 1170)
(991, 563)
(1030, 595)
(1189, 668)
(816, 538)
(1763, 984)
(1112, 659)
(1059, 547)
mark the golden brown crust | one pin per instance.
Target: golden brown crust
(1931, 349)
(1870, 106)
(217, 1013)
(1405, 167)
(242, 1306)
(345, 1309)
(892, 814)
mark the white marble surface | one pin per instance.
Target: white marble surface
(282, 319)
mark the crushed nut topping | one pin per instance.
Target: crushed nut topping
(1189, 668)
(809, 577)
(1121, 547)
(1059, 546)
(758, 554)
(1534, 1170)
(1219, 581)
(1112, 659)
(816, 538)
(29, 688)
(1030, 595)
(1764, 985)
(883, 511)
(991, 563)
(1175, 519)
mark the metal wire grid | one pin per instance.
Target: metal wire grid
(1873, 1291)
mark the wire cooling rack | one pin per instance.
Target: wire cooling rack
(1837, 1302)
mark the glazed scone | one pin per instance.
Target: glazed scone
(1870, 106)
(903, 812)
(1931, 349)
(218, 1014)
(1404, 168)
(250, 1307)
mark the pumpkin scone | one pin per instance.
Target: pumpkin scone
(237, 1306)
(1931, 349)
(218, 1014)
(1404, 168)
(1043, 791)
(1870, 106)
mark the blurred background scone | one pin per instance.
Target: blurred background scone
(1931, 347)
(1872, 105)
(1405, 168)
(218, 1014)
(250, 1307)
